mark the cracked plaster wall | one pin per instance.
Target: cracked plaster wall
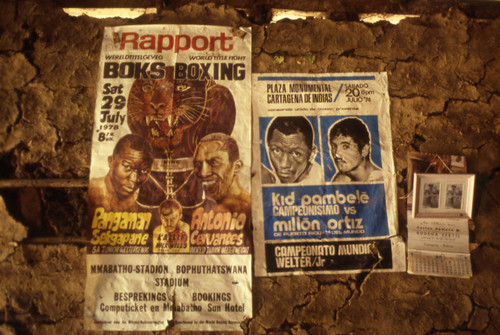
(444, 84)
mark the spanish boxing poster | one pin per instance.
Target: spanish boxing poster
(324, 196)
(169, 210)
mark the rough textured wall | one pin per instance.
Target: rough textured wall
(444, 84)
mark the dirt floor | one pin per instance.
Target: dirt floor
(444, 85)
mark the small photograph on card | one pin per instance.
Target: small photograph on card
(431, 195)
(454, 194)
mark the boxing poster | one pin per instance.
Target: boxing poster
(169, 210)
(324, 198)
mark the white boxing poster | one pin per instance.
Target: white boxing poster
(324, 195)
(169, 194)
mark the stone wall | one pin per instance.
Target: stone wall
(444, 85)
